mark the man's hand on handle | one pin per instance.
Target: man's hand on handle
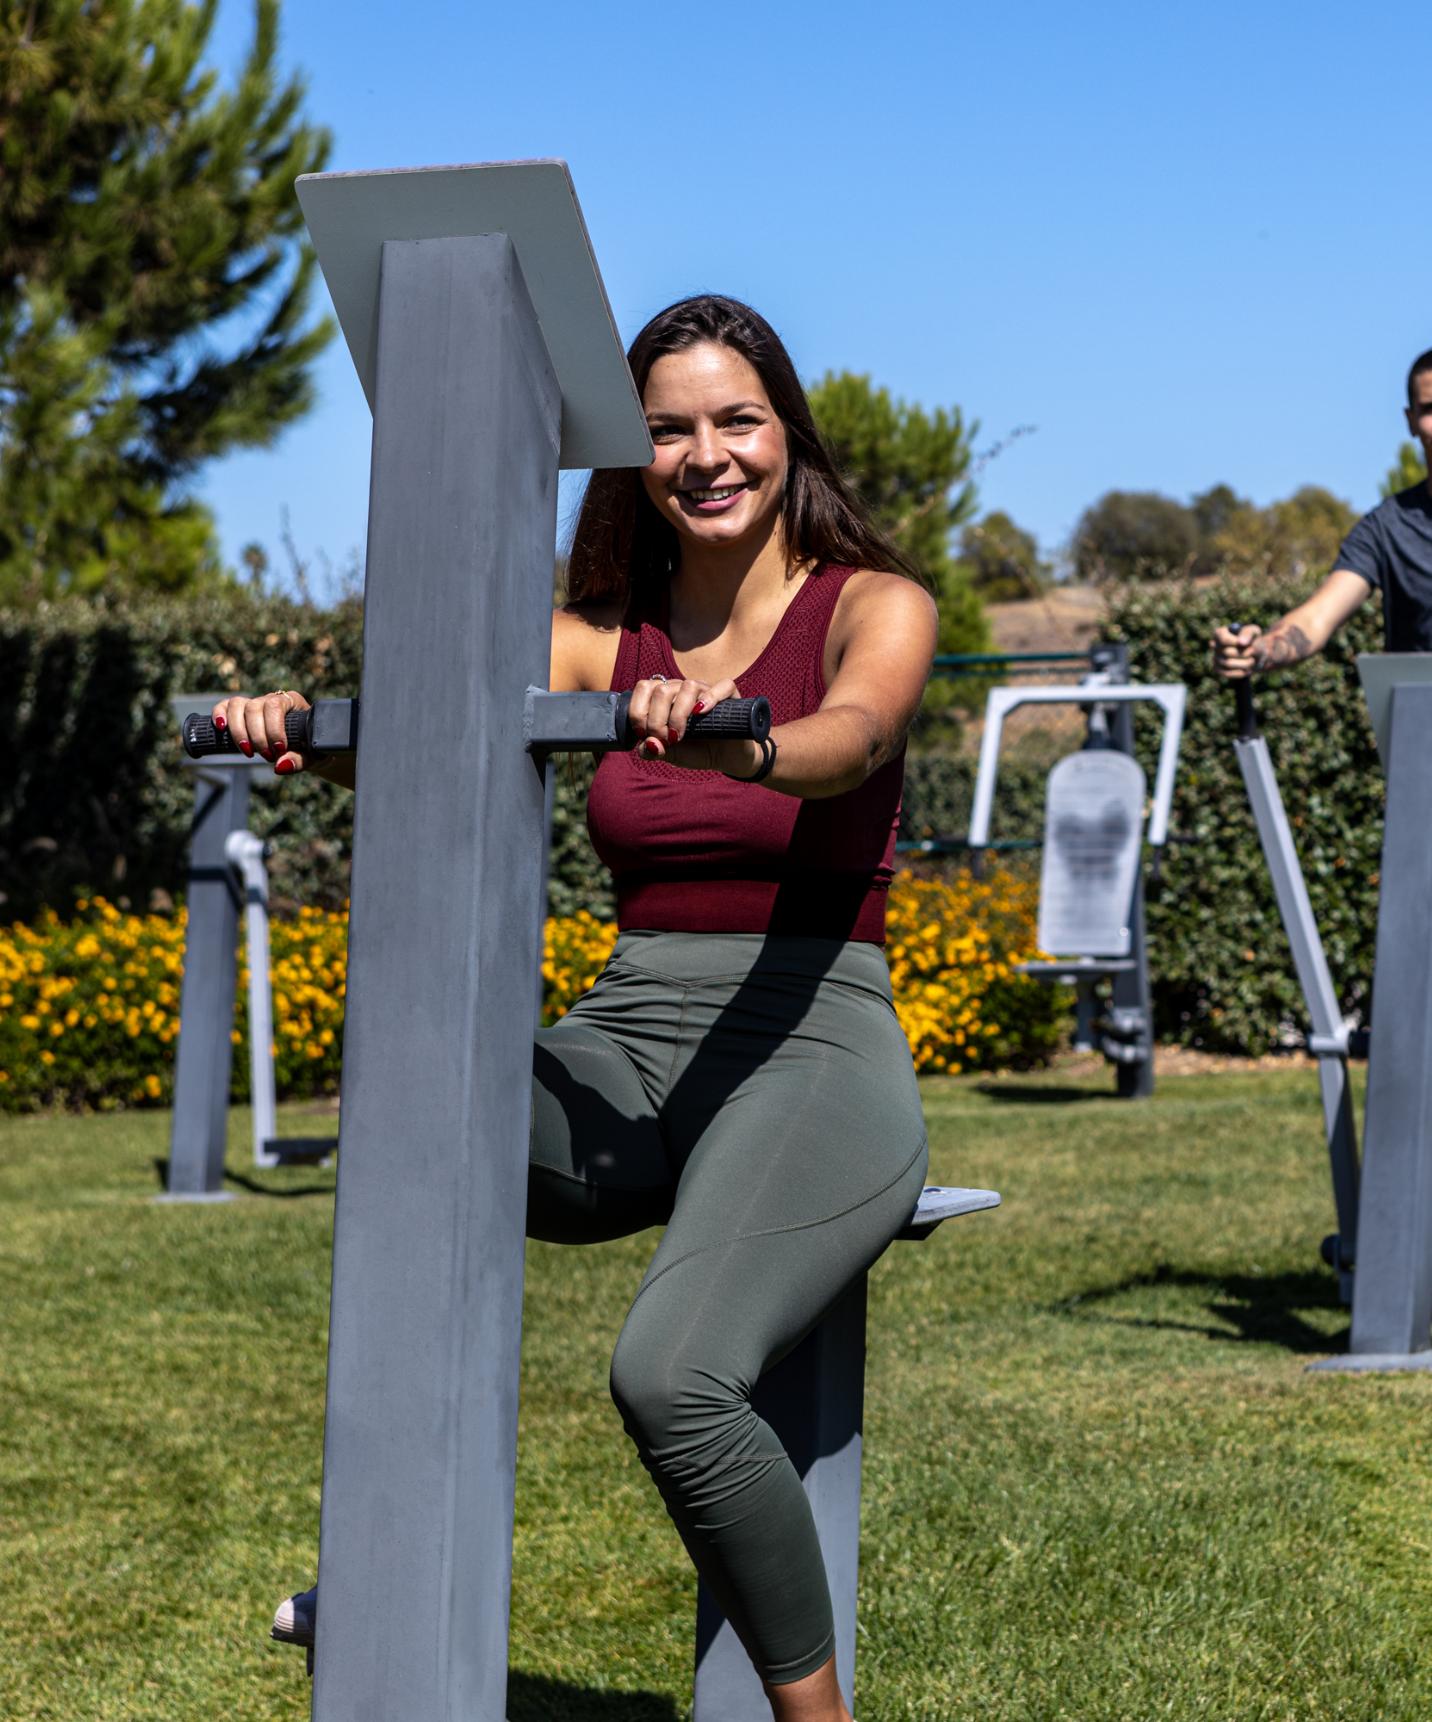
(1235, 656)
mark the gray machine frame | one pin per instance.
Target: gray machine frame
(1127, 1038)
(472, 304)
(226, 876)
(1329, 1033)
(1384, 1241)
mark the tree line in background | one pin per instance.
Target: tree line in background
(1140, 534)
(155, 315)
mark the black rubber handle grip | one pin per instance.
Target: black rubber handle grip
(201, 738)
(731, 720)
(1243, 696)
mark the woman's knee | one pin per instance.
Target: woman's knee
(673, 1402)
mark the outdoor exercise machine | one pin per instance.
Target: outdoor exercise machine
(226, 874)
(1382, 1250)
(476, 318)
(1091, 893)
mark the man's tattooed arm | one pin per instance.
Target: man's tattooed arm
(1286, 644)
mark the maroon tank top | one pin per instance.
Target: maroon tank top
(697, 851)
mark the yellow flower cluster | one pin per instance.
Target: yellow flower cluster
(89, 1009)
(574, 949)
(952, 946)
(308, 963)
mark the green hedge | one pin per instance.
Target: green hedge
(1223, 973)
(92, 798)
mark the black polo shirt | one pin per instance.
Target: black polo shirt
(1392, 549)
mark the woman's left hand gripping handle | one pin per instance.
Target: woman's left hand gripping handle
(256, 724)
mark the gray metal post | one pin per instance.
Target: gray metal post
(420, 1435)
(1328, 1038)
(1131, 1009)
(1392, 1286)
(1131, 999)
(206, 1005)
(814, 1400)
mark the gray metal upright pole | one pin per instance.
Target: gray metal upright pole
(1131, 998)
(420, 1436)
(1328, 1036)
(206, 1002)
(1392, 1283)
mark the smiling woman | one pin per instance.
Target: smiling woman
(737, 1072)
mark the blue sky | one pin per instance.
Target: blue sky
(1187, 244)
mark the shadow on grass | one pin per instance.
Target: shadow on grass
(531, 1698)
(1267, 1309)
(1041, 1094)
(252, 1185)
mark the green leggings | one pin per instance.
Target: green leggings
(755, 1095)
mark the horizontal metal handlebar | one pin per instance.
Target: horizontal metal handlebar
(327, 726)
(551, 723)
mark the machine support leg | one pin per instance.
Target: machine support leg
(1131, 1009)
(420, 1438)
(206, 1006)
(1328, 1038)
(814, 1400)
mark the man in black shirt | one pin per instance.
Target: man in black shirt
(1389, 550)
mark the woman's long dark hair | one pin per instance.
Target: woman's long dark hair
(622, 546)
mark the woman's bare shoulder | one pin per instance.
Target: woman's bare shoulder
(585, 638)
(872, 597)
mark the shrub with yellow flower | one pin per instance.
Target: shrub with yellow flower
(89, 1009)
(953, 946)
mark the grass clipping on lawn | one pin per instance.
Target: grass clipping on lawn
(1099, 1484)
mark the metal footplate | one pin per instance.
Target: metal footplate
(941, 1202)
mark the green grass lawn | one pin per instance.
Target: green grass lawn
(1099, 1482)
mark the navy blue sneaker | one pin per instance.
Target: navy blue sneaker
(297, 1619)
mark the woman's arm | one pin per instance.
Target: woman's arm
(584, 646)
(883, 636)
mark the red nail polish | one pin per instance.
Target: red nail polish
(221, 723)
(247, 749)
(700, 706)
(285, 766)
(648, 747)
(671, 734)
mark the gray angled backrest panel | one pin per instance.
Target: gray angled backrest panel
(1093, 833)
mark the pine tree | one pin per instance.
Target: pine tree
(911, 469)
(153, 292)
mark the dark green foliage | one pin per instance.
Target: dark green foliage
(92, 797)
(1408, 469)
(1003, 560)
(576, 879)
(153, 296)
(1299, 535)
(1141, 535)
(1134, 535)
(911, 470)
(1223, 974)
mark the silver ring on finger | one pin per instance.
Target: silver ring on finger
(656, 678)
